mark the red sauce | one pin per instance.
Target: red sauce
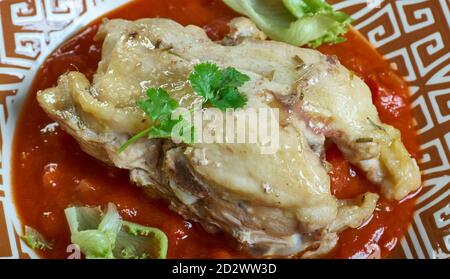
(50, 172)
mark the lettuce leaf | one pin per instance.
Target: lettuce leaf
(35, 240)
(139, 242)
(297, 22)
(93, 233)
(106, 236)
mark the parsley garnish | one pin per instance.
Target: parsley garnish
(219, 87)
(159, 108)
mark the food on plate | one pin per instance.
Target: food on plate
(297, 22)
(105, 235)
(274, 204)
(34, 239)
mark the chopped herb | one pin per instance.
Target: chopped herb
(159, 45)
(159, 108)
(299, 60)
(302, 95)
(35, 240)
(375, 124)
(352, 75)
(219, 87)
(364, 140)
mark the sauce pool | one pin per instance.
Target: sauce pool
(51, 173)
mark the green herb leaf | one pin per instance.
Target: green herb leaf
(364, 140)
(297, 22)
(35, 240)
(219, 87)
(159, 105)
(232, 78)
(229, 98)
(159, 108)
(375, 124)
(204, 78)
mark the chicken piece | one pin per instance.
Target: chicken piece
(241, 28)
(336, 104)
(275, 204)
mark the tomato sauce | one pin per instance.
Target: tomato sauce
(50, 172)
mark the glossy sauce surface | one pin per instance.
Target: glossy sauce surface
(50, 172)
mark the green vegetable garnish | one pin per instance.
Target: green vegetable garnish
(107, 236)
(297, 22)
(34, 239)
(375, 124)
(144, 239)
(219, 87)
(159, 108)
(364, 140)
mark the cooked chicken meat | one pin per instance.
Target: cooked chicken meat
(274, 204)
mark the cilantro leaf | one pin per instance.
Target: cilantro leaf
(204, 79)
(159, 104)
(229, 98)
(164, 129)
(232, 78)
(219, 87)
(159, 108)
